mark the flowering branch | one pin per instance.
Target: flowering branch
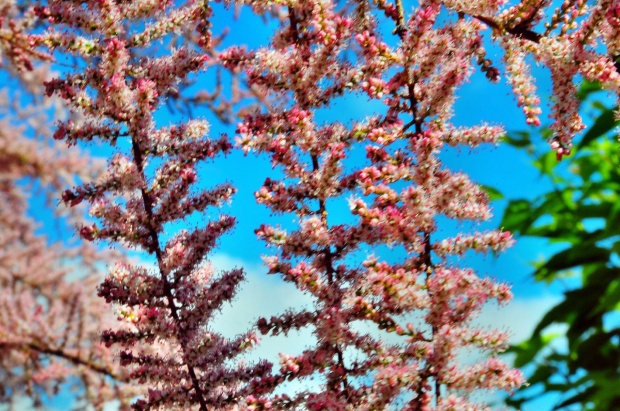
(314, 257)
(49, 324)
(170, 308)
(399, 195)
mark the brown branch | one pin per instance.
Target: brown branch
(400, 23)
(521, 32)
(148, 207)
(293, 21)
(329, 257)
(74, 359)
(323, 212)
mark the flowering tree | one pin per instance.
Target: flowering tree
(307, 53)
(322, 50)
(117, 96)
(50, 315)
(49, 324)
(404, 188)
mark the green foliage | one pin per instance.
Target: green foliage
(583, 213)
(494, 194)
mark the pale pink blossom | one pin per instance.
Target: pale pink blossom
(172, 302)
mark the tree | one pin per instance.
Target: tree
(322, 50)
(581, 213)
(405, 185)
(50, 315)
(117, 95)
(50, 325)
(315, 257)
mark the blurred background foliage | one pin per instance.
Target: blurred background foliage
(574, 350)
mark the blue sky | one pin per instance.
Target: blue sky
(503, 167)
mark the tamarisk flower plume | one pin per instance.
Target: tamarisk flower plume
(403, 190)
(146, 189)
(50, 315)
(579, 39)
(16, 51)
(396, 200)
(49, 323)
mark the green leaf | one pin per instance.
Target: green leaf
(494, 194)
(519, 139)
(586, 166)
(587, 88)
(572, 257)
(546, 163)
(527, 350)
(577, 304)
(603, 124)
(599, 105)
(577, 398)
(596, 352)
(519, 216)
(610, 301)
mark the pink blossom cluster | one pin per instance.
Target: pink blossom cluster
(169, 306)
(404, 188)
(521, 80)
(568, 48)
(16, 23)
(50, 315)
(524, 14)
(397, 197)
